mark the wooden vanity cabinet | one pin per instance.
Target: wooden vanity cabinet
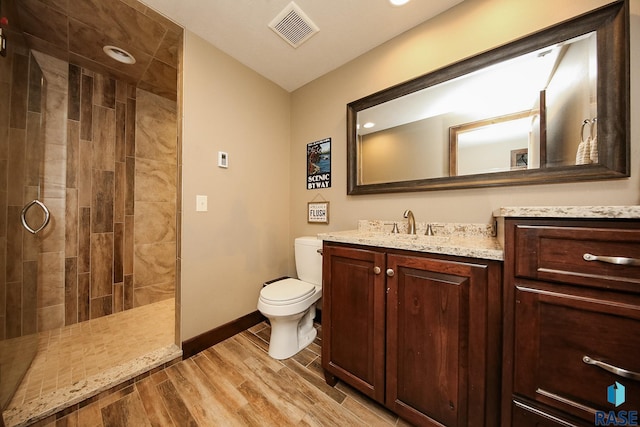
(417, 332)
(562, 305)
(353, 318)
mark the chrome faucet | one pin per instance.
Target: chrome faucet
(411, 225)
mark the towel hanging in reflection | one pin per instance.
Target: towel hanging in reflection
(588, 147)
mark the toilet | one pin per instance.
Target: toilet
(290, 304)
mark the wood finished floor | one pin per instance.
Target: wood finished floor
(236, 383)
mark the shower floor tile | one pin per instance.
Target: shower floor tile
(71, 355)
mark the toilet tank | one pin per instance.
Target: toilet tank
(308, 259)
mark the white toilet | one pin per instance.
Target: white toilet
(290, 304)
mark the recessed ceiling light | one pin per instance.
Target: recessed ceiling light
(119, 55)
(398, 2)
(368, 125)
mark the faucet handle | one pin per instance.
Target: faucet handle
(395, 228)
(429, 231)
(430, 228)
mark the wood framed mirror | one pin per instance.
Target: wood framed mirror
(575, 71)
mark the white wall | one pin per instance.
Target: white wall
(318, 111)
(242, 240)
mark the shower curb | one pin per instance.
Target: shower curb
(64, 401)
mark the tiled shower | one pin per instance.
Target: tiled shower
(101, 154)
(120, 210)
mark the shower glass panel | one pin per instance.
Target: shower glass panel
(21, 167)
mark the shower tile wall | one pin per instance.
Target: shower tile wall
(154, 245)
(90, 284)
(120, 197)
(50, 271)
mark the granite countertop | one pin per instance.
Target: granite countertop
(468, 240)
(603, 212)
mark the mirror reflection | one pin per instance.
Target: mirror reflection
(477, 122)
(551, 107)
(499, 144)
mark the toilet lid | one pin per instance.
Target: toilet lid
(287, 291)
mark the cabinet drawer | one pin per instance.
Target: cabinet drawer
(524, 415)
(558, 254)
(553, 334)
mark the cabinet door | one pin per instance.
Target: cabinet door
(436, 340)
(353, 317)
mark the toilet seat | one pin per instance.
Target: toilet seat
(286, 292)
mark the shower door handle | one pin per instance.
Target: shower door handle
(23, 215)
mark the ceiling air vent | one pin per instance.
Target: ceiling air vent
(293, 25)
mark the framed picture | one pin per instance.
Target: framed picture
(318, 212)
(519, 159)
(319, 164)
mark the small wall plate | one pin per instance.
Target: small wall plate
(223, 159)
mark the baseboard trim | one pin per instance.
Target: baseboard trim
(214, 336)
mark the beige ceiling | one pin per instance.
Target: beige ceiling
(77, 30)
(348, 28)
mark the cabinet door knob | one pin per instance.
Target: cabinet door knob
(376, 270)
(390, 272)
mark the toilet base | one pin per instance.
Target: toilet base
(290, 334)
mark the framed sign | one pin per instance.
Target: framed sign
(519, 158)
(319, 164)
(318, 212)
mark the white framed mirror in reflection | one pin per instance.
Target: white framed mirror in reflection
(498, 144)
(452, 128)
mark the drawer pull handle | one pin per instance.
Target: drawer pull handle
(613, 369)
(612, 259)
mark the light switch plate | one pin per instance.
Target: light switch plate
(201, 203)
